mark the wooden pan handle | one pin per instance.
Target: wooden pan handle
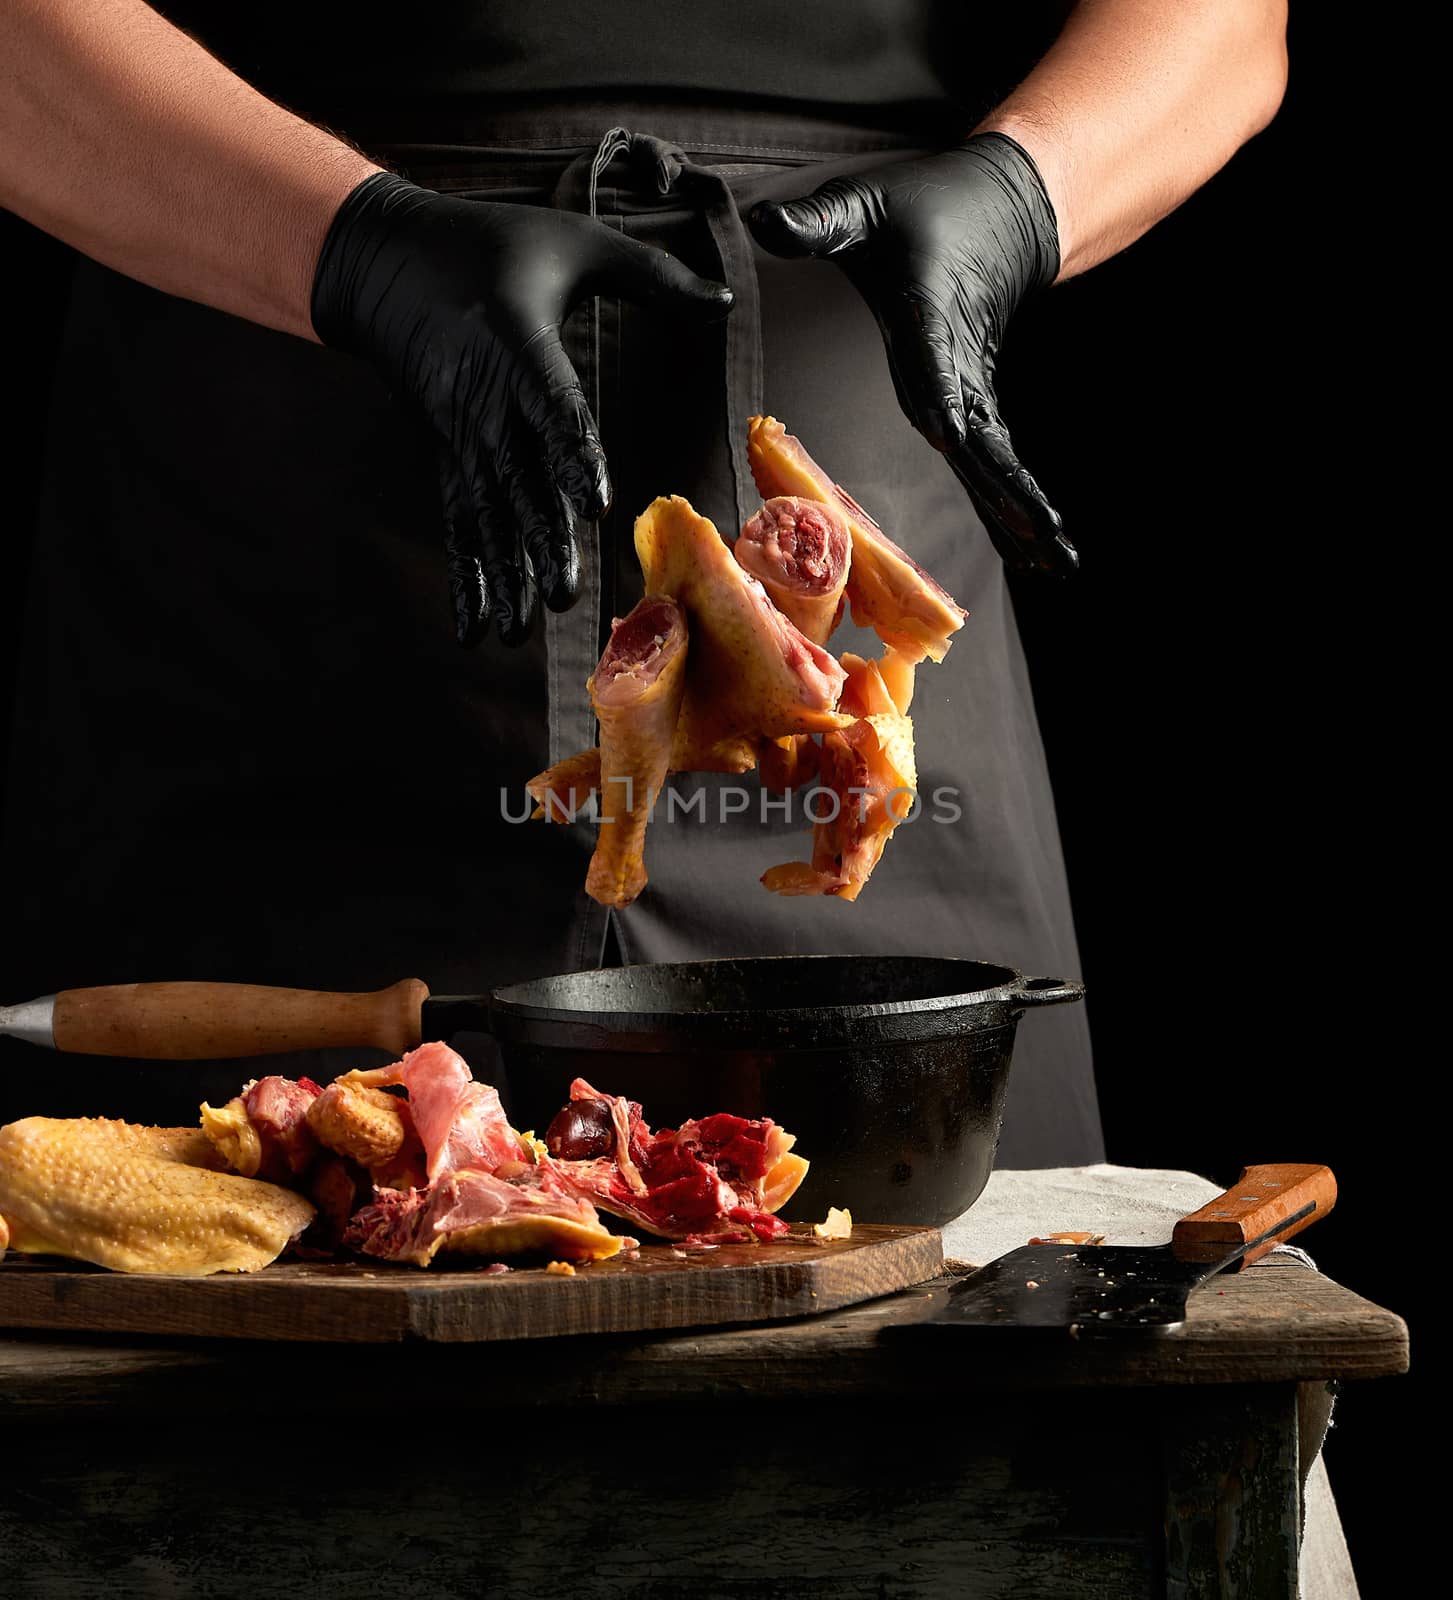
(1258, 1203)
(207, 1021)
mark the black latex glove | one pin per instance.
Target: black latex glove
(943, 249)
(458, 303)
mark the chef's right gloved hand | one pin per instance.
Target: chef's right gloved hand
(459, 303)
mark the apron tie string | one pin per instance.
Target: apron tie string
(666, 169)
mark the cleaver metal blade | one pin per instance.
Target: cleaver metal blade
(1131, 1289)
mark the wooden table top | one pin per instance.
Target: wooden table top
(1277, 1322)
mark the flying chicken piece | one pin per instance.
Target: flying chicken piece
(887, 589)
(138, 1199)
(563, 791)
(897, 672)
(789, 762)
(869, 768)
(636, 691)
(751, 673)
(800, 549)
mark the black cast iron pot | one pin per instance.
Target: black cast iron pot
(891, 1070)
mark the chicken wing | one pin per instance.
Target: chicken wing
(563, 791)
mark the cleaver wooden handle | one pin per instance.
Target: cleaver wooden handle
(1258, 1204)
(207, 1021)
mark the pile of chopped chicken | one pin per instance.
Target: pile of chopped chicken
(401, 1163)
(722, 668)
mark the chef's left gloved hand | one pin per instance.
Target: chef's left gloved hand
(943, 249)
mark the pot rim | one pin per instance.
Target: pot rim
(1008, 990)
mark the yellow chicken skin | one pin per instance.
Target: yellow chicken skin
(870, 768)
(365, 1124)
(760, 688)
(751, 673)
(138, 1199)
(887, 589)
(564, 790)
(636, 691)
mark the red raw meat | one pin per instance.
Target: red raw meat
(277, 1108)
(476, 1213)
(489, 1194)
(461, 1122)
(694, 1181)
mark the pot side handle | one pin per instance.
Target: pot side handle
(1046, 991)
(209, 1021)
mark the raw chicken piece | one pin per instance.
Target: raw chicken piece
(230, 1131)
(784, 764)
(897, 672)
(870, 768)
(337, 1187)
(636, 691)
(440, 1171)
(789, 762)
(264, 1132)
(477, 1214)
(888, 591)
(274, 1130)
(138, 1199)
(461, 1122)
(722, 1176)
(750, 673)
(564, 790)
(368, 1125)
(800, 550)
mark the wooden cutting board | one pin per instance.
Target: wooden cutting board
(376, 1303)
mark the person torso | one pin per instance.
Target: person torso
(881, 62)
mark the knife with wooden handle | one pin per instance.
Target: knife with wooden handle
(212, 1021)
(1118, 1289)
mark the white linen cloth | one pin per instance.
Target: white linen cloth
(1140, 1205)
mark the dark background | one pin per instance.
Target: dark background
(1224, 696)
(1219, 693)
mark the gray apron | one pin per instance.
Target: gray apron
(248, 748)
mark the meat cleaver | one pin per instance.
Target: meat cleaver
(1130, 1289)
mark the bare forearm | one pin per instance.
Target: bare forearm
(122, 136)
(1135, 106)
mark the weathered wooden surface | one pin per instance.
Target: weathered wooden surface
(376, 1303)
(1271, 1324)
(1232, 1494)
(987, 1498)
(841, 1465)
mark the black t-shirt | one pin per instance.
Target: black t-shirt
(878, 62)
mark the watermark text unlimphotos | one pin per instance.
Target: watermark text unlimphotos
(810, 804)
